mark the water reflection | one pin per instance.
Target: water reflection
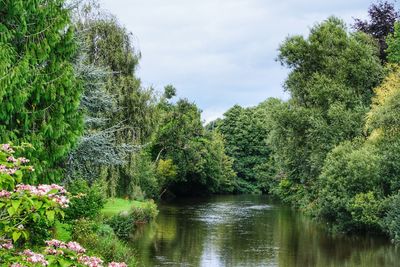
(250, 231)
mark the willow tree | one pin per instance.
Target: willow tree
(39, 93)
(109, 47)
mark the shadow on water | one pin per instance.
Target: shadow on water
(251, 231)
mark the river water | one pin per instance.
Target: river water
(251, 231)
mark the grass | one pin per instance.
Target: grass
(116, 205)
(62, 231)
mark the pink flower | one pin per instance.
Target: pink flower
(6, 245)
(61, 200)
(28, 252)
(35, 257)
(16, 265)
(23, 160)
(4, 169)
(117, 264)
(44, 190)
(74, 246)
(11, 159)
(7, 148)
(90, 261)
(5, 194)
(56, 243)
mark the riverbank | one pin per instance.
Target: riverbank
(107, 234)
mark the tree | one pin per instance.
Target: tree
(393, 45)
(359, 184)
(245, 131)
(122, 121)
(383, 16)
(331, 82)
(39, 92)
(197, 158)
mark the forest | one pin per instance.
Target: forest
(82, 136)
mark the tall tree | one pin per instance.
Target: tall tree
(198, 156)
(382, 17)
(109, 47)
(245, 132)
(331, 82)
(39, 93)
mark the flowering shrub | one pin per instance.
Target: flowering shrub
(21, 205)
(56, 253)
(22, 208)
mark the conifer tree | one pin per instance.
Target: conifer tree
(39, 92)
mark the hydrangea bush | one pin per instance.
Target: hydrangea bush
(21, 207)
(56, 253)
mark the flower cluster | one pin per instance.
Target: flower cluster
(7, 170)
(117, 264)
(41, 190)
(90, 261)
(11, 165)
(45, 190)
(35, 257)
(5, 194)
(74, 246)
(6, 244)
(73, 252)
(7, 148)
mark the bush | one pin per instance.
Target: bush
(100, 239)
(349, 194)
(391, 220)
(87, 201)
(26, 212)
(125, 223)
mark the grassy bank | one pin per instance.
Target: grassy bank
(124, 216)
(115, 206)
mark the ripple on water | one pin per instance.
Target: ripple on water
(218, 213)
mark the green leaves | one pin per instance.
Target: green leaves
(32, 71)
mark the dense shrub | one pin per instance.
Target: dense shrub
(100, 239)
(125, 223)
(348, 196)
(391, 221)
(87, 200)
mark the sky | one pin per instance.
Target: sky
(218, 53)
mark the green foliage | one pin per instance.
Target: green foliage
(198, 163)
(26, 212)
(125, 222)
(348, 189)
(133, 117)
(144, 182)
(39, 91)
(391, 220)
(359, 184)
(245, 132)
(86, 201)
(393, 43)
(100, 239)
(331, 82)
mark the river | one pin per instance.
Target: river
(251, 231)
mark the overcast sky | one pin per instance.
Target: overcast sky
(218, 53)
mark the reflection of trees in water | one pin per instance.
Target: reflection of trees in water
(303, 243)
(172, 239)
(231, 233)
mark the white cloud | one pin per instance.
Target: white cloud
(219, 53)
